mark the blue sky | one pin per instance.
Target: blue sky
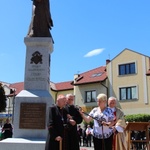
(85, 32)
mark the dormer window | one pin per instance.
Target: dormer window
(97, 74)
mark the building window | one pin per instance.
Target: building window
(90, 96)
(128, 93)
(127, 69)
(97, 74)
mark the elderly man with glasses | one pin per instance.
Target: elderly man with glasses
(74, 118)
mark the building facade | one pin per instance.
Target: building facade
(128, 81)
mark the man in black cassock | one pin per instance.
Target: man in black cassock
(57, 129)
(74, 119)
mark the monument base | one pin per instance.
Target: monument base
(22, 144)
(30, 119)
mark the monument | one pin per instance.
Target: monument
(32, 104)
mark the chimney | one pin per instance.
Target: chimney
(107, 61)
(76, 76)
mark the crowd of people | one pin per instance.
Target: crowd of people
(85, 136)
(65, 131)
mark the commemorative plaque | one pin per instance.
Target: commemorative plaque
(32, 115)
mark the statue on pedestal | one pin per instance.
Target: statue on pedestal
(41, 21)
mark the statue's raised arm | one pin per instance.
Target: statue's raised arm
(41, 21)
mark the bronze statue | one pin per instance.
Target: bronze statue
(41, 21)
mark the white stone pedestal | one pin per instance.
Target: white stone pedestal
(22, 144)
(32, 104)
(27, 123)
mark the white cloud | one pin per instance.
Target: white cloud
(94, 52)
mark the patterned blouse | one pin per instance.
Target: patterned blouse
(100, 131)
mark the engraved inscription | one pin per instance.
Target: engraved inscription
(32, 115)
(36, 73)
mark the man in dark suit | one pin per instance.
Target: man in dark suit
(57, 126)
(74, 119)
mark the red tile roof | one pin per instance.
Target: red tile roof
(64, 86)
(17, 86)
(92, 76)
(54, 86)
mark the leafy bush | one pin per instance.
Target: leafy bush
(137, 118)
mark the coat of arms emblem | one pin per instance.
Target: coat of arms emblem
(36, 58)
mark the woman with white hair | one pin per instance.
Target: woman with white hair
(103, 121)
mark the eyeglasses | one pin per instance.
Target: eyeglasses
(71, 99)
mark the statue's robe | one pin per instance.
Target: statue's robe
(41, 21)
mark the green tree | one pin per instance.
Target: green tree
(2, 99)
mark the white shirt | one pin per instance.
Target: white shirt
(89, 131)
(100, 131)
